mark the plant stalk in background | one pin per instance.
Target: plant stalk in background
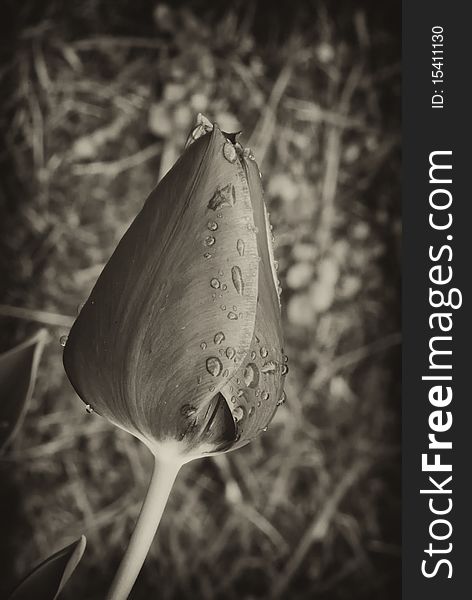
(180, 341)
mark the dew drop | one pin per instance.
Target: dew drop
(251, 375)
(207, 255)
(209, 240)
(215, 283)
(259, 404)
(230, 352)
(269, 367)
(212, 388)
(265, 395)
(238, 413)
(240, 246)
(188, 410)
(225, 373)
(219, 337)
(285, 358)
(251, 411)
(257, 393)
(253, 355)
(283, 399)
(264, 429)
(284, 370)
(223, 307)
(229, 152)
(214, 366)
(222, 197)
(63, 340)
(238, 281)
(264, 352)
(232, 316)
(88, 409)
(224, 287)
(233, 399)
(203, 345)
(240, 393)
(248, 153)
(199, 379)
(212, 226)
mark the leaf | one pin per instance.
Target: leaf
(49, 578)
(18, 368)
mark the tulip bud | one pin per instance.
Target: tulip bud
(180, 341)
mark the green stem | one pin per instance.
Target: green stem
(160, 486)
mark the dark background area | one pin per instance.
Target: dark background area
(97, 100)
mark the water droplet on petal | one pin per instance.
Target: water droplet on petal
(214, 366)
(285, 358)
(203, 345)
(187, 410)
(207, 255)
(209, 240)
(225, 373)
(232, 316)
(283, 399)
(253, 355)
(238, 281)
(215, 283)
(240, 246)
(63, 340)
(265, 395)
(248, 153)
(251, 411)
(223, 307)
(212, 226)
(259, 403)
(251, 375)
(88, 409)
(264, 352)
(230, 352)
(284, 369)
(238, 413)
(269, 367)
(233, 399)
(224, 287)
(219, 337)
(229, 152)
(222, 197)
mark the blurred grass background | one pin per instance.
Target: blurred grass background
(97, 100)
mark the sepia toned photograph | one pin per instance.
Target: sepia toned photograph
(200, 332)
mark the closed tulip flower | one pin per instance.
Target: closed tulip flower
(180, 341)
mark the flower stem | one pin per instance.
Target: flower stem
(160, 486)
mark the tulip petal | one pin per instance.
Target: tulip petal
(256, 389)
(172, 315)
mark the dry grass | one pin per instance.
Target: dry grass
(96, 105)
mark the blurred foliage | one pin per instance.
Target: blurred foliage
(93, 92)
